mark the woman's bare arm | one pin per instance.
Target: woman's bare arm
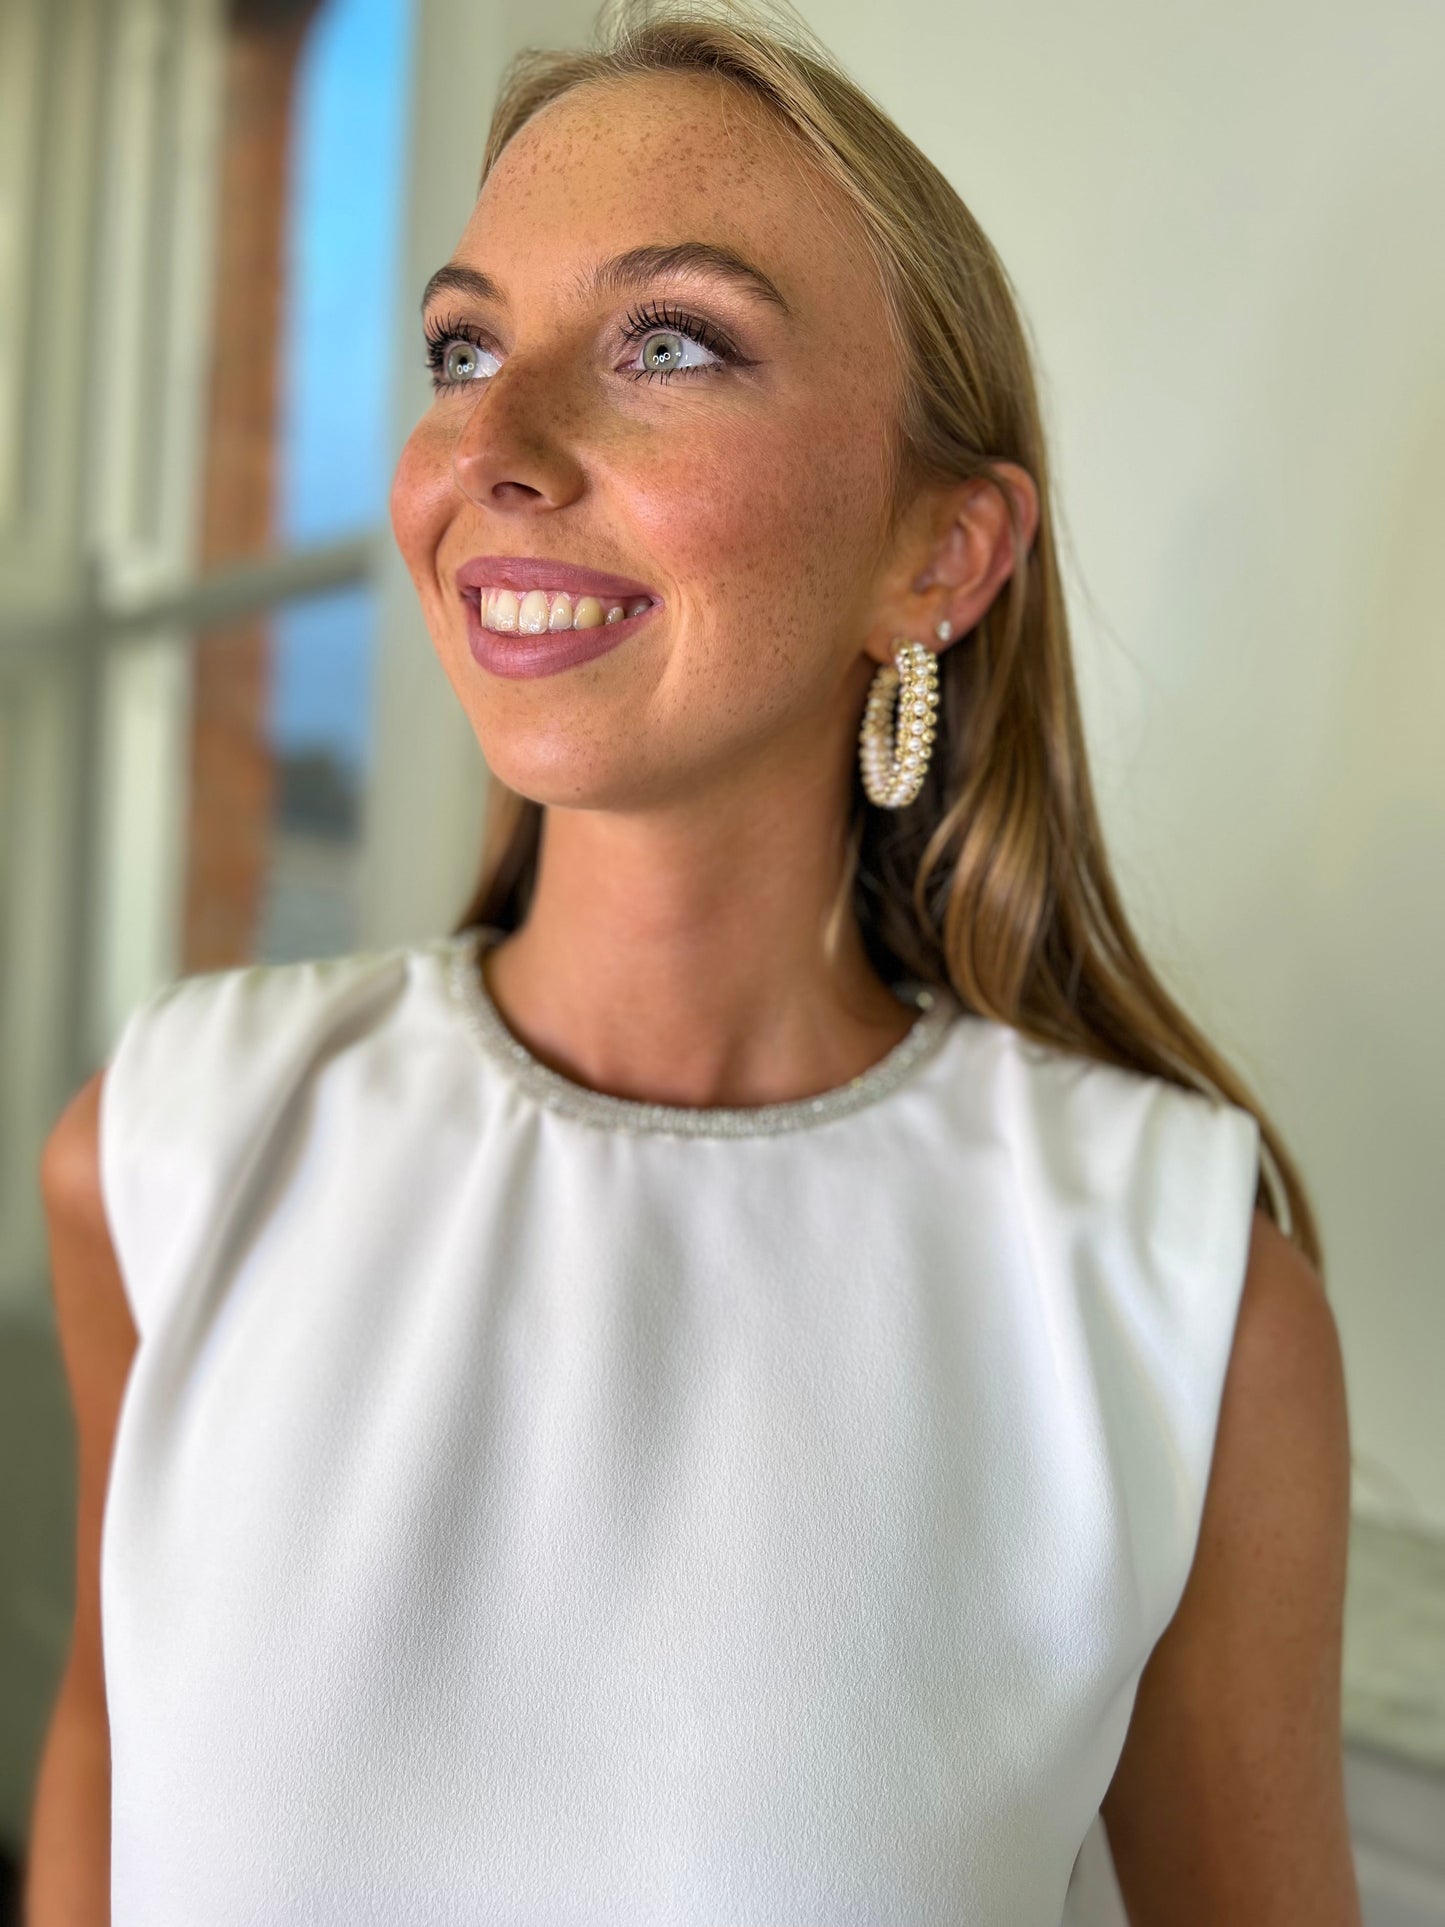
(67, 1872)
(1228, 1803)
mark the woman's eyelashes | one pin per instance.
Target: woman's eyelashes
(656, 325)
(448, 368)
(454, 348)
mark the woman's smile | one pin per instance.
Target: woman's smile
(535, 636)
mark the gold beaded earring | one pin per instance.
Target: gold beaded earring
(891, 778)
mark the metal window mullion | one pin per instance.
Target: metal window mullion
(52, 317)
(42, 830)
(191, 270)
(154, 270)
(21, 60)
(202, 602)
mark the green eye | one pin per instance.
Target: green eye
(459, 361)
(453, 352)
(663, 330)
(656, 358)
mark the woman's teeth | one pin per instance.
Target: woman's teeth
(538, 611)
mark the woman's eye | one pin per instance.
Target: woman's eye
(459, 361)
(668, 351)
(670, 344)
(454, 358)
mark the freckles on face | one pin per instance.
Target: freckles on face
(751, 498)
(421, 501)
(772, 534)
(765, 535)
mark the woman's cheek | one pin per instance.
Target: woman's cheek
(715, 507)
(421, 498)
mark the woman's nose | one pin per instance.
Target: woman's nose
(513, 449)
(490, 485)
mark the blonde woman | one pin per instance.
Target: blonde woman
(760, 1381)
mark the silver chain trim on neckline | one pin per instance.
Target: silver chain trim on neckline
(600, 1108)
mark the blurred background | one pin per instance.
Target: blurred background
(224, 736)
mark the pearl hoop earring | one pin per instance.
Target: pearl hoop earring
(892, 780)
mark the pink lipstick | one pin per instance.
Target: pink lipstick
(543, 655)
(519, 654)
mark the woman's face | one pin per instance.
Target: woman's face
(732, 457)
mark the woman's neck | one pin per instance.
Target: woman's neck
(717, 990)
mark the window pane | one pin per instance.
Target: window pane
(343, 263)
(307, 263)
(320, 722)
(279, 747)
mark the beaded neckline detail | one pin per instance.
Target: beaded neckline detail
(558, 1093)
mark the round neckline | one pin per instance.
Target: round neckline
(937, 1010)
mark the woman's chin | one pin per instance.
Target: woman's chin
(554, 776)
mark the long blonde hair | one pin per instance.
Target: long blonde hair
(995, 880)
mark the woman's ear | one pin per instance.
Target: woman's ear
(972, 552)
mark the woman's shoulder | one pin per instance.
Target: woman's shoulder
(262, 1007)
(272, 983)
(1085, 1120)
(216, 1073)
(207, 1058)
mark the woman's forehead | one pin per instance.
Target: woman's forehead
(675, 162)
(667, 159)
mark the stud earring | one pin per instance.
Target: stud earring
(944, 631)
(892, 778)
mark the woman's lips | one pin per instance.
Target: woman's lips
(523, 572)
(516, 654)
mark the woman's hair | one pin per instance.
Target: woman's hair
(995, 879)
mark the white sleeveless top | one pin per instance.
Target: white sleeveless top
(534, 1507)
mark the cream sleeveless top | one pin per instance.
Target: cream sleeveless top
(534, 1507)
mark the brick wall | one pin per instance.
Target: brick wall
(233, 779)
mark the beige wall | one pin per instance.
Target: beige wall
(1224, 226)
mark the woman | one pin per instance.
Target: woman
(759, 1380)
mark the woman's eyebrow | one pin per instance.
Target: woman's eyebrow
(622, 271)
